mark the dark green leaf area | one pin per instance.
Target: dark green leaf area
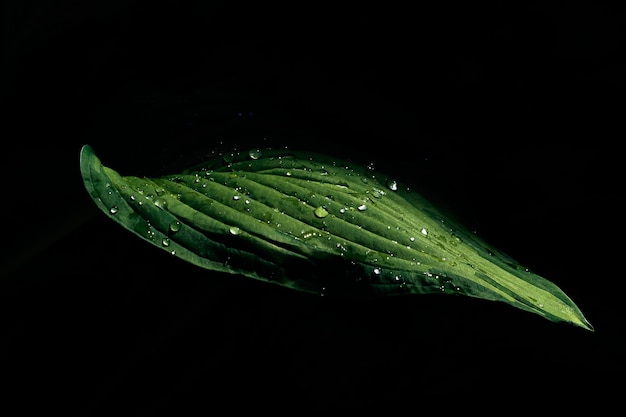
(317, 224)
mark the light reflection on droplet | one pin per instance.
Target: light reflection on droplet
(160, 203)
(255, 153)
(175, 226)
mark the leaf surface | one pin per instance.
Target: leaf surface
(316, 224)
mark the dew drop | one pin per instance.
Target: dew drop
(424, 231)
(255, 153)
(165, 242)
(234, 230)
(393, 185)
(228, 157)
(320, 212)
(362, 207)
(160, 203)
(175, 226)
(114, 210)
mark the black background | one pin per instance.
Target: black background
(508, 115)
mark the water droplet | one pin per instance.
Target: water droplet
(160, 203)
(165, 242)
(114, 210)
(175, 226)
(342, 248)
(234, 230)
(320, 212)
(160, 191)
(362, 207)
(228, 157)
(255, 153)
(424, 231)
(236, 197)
(393, 185)
(308, 234)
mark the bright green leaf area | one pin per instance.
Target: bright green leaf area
(316, 224)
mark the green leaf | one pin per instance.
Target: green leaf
(317, 224)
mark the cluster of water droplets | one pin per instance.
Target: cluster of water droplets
(378, 190)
